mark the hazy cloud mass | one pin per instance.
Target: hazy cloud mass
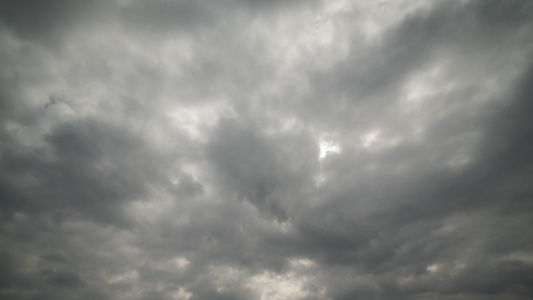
(266, 150)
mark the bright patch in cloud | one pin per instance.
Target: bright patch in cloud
(327, 148)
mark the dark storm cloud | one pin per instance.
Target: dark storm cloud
(48, 22)
(258, 167)
(169, 17)
(179, 150)
(75, 181)
(436, 194)
(63, 279)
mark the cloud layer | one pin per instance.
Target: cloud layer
(250, 149)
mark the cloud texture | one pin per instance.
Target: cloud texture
(268, 150)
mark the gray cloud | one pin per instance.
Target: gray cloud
(266, 150)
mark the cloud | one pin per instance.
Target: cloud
(266, 150)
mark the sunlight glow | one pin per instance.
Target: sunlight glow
(326, 148)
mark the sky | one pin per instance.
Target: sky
(266, 150)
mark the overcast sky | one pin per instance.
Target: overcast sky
(266, 150)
